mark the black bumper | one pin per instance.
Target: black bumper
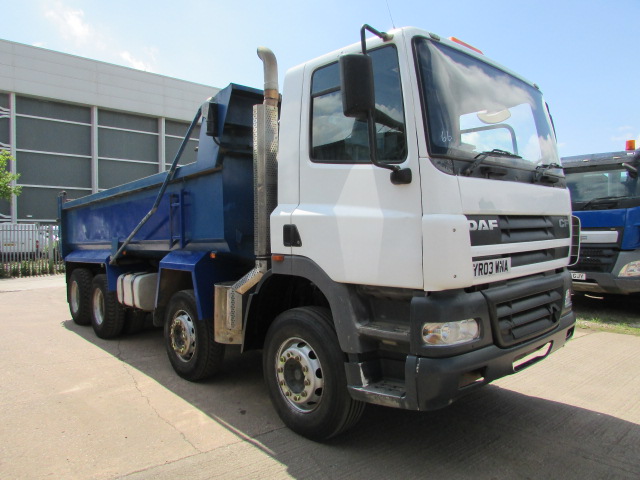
(598, 282)
(521, 322)
(435, 383)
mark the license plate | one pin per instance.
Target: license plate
(578, 276)
(484, 268)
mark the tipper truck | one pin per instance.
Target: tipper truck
(605, 195)
(394, 228)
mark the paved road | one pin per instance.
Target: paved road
(75, 406)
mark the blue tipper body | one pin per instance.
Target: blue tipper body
(207, 208)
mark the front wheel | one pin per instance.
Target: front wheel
(304, 370)
(190, 344)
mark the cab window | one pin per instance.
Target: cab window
(339, 139)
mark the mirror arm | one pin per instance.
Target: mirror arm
(383, 35)
(399, 176)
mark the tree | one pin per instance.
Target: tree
(6, 177)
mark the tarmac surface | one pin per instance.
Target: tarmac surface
(75, 406)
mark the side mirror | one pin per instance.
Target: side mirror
(356, 82)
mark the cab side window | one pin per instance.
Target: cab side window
(339, 139)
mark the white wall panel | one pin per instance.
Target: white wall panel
(39, 72)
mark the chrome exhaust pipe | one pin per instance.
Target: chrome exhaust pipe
(228, 297)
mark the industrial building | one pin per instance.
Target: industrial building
(82, 126)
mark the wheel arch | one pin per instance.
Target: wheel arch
(300, 282)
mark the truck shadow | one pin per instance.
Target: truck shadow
(494, 433)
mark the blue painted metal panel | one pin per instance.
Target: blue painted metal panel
(631, 240)
(216, 212)
(205, 273)
(182, 260)
(601, 218)
(628, 218)
(88, 256)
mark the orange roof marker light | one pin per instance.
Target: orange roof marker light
(630, 146)
(464, 44)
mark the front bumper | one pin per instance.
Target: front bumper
(433, 383)
(598, 282)
(519, 318)
(436, 383)
(608, 282)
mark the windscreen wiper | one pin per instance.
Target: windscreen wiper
(602, 199)
(478, 159)
(542, 173)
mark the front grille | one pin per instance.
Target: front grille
(596, 259)
(517, 229)
(523, 311)
(501, 229)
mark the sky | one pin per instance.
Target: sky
(584, 54)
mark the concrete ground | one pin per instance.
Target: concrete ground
(74, 406)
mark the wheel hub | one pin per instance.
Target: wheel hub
(299, 375)
(182, 334)
(74, 297)
(98, 306)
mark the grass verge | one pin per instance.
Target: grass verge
(616, 314)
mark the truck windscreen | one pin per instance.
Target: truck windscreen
(473, 108)
(602, 188)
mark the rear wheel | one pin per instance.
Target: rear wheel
(79, 295)
(107, 315)
(190, 344)
(304, 371)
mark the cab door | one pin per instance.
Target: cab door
(353, 222)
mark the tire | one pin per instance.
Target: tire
(190, 344)
(304, 370)
(79, 295)
(107, 315)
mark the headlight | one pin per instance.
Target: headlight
(450, 333)
(631, 269)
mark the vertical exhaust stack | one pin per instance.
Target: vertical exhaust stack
(228, 299)
(265, 166)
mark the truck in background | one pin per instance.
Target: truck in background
(372, 231)
(605, 195)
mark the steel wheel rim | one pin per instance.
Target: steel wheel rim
(98, 306)
(74, 297)
(299, 375)
(182, 335)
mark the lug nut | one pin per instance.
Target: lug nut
(307, 383)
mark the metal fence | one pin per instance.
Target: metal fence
(28, 249)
